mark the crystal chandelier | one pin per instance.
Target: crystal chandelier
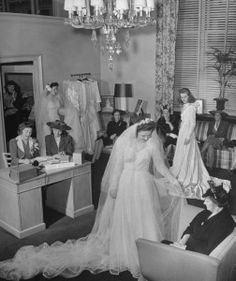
(110, 16)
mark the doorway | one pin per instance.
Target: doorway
(25, 73)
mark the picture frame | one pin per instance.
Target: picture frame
(138, 108)
(199, 103)
(107, 103)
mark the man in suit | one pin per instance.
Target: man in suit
(216, 134)
(59, 142)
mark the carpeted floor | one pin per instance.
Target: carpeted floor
(62, 228)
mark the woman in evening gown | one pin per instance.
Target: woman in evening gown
(134, 202)
(188, 166)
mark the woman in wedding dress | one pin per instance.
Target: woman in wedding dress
(188, 166)
(48, 111)
(133, 203)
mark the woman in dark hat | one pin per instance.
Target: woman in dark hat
(211, 226)
(59, 142)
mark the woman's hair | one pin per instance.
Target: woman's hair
(113, 113)
(144, 125)
(24, 125)
(54, 84)
(63, 132)
(13, 83)
(191, 98)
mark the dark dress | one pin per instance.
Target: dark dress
(206, 234)
(114, 128)
(163, 128)
(13, 114)
(66, 145)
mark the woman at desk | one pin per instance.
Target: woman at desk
(23, 148)
(59, 142)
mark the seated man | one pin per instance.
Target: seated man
(216, 134)
(59, 142)
(211, 226)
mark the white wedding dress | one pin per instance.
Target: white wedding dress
(143, 208)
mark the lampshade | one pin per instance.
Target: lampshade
(123, 90)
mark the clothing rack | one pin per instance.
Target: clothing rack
(81, 75)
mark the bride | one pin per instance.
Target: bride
(134, 202)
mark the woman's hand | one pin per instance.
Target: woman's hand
(112, 137)
(113, 193)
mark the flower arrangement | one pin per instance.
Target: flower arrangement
(35, 146)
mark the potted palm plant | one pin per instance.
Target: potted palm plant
(225, 64)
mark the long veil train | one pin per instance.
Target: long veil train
(97, 252)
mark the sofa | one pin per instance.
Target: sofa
(161, 262)
(224, 158)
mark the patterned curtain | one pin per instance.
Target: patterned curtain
(167, 16)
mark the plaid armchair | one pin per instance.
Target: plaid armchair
(224, 158)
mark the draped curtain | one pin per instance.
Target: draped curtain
(167, 16)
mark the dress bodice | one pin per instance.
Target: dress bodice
(53, 104)
(137, 159)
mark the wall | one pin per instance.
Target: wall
(64, 50)
(135, 65)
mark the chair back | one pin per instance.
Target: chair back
(6, 159)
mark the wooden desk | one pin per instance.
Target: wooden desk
(21, 212)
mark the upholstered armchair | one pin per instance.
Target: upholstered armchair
(161, 262)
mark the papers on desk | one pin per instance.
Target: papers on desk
(58, 166)
(43, 158)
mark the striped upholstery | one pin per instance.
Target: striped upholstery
(224, 158)
(231, 135)
(201, 130)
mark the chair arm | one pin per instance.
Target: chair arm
(161, 262)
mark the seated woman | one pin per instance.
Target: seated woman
(59, 142)
(210, 227)
(168, 127)
(114, 129)
(23, 148)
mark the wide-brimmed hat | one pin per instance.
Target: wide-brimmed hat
(218, 194)
(60, 125)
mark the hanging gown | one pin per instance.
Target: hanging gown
(137, 211)
(48, 112)
(71, 112)
(93, 99)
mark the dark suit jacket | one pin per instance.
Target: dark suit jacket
(66, 145)
(205, 234)
(221, 131)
